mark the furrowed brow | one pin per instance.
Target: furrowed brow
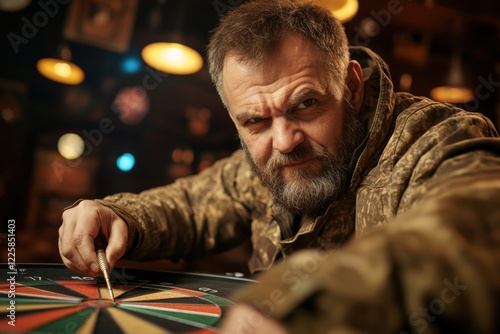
(244, 116)
(299, 97)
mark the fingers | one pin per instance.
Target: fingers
(117, 242)
(72, 259)
(74, 243)
(244, 319)
(81, 225)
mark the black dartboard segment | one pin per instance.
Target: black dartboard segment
(39, 298)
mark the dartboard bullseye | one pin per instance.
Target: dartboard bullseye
(52, 299)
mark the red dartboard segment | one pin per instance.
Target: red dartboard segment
(203, 331)
(30, 321)
(85, 288)
(191, 292)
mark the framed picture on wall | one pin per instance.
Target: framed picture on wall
(103, 23)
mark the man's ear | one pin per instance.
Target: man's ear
(355, 84)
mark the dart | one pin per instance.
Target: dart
(103, 265)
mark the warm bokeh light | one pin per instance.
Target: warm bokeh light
(344, 10)
(8, 114)
(172, 58)
(452, 94)
(14, 5)
(132, 103)
(405, 82)
(347, 11)
(180, 156)
(60, 71)
(70, 146)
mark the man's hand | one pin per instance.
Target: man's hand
(244, 319)
(80, 226)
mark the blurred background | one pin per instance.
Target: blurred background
(88, 108)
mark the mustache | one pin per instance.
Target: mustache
(301, 153)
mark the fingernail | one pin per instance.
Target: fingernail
(94, 267)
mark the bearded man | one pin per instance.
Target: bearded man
(369, 210)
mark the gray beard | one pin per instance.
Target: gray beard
(312, 190)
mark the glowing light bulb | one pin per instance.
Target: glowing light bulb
(70, 146)
(173, 55)
(62, 69)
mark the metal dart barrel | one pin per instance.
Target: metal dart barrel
(103, 265)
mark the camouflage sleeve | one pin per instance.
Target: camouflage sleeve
(185, 219)
(435, 269)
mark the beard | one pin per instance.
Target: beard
(309, 191)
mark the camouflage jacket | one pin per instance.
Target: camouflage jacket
(414, 246)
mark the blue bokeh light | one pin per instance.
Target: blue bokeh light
(131, 65)
(125, 162)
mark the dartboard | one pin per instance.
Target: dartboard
(52, 299)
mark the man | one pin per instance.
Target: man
(393, 196)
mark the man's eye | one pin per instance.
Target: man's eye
(306, 104)
(254, 120)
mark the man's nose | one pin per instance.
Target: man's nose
(286, 135)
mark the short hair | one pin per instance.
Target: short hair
(255, 29)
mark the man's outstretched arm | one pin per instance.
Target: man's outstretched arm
(435, 269)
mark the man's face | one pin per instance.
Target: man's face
(296, 125)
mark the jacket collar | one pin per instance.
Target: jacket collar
(377, 111)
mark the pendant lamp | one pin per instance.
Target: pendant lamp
(455, 88)
(172, 55)
(61, 69)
